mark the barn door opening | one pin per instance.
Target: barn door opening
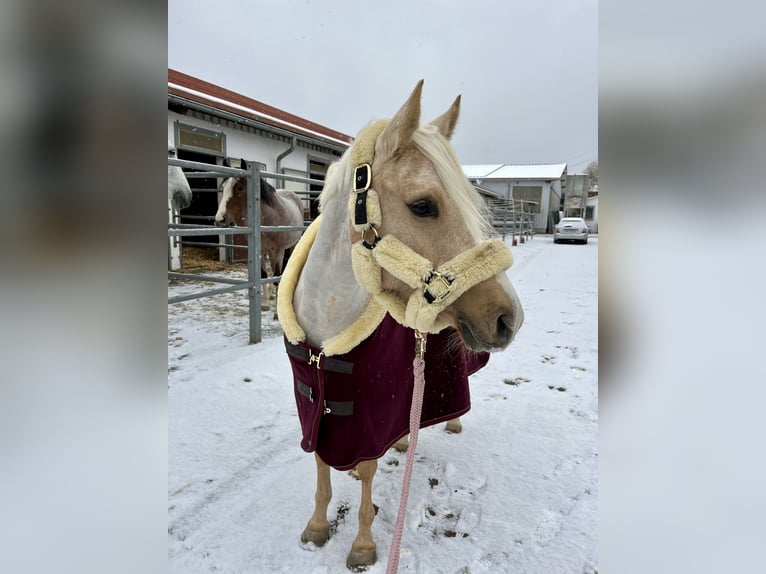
(203, 146)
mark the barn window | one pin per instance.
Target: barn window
(200, 140)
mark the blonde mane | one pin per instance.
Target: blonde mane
(437, 149)
(338, 177)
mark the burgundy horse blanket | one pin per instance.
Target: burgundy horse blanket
(355, 406)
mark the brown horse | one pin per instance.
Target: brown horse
(402, 236)
(278, 207)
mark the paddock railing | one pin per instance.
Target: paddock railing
(254, 283)
(514, 217)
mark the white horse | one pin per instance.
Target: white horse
(179, 192)
(179, 197)
(402, 235)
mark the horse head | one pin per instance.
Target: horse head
(179, 192)
(232, 209)
(432, 223)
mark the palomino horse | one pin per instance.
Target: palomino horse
(411, 254)
(179, 192)
(278, 207)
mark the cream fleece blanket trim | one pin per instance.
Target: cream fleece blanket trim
(351, 336)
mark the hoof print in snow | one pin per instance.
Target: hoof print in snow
(547, 528)
(340, 517)
(559, 389)
(548, 359)
(454, 510)
(572, 350)
(516, 382)
(389, 465)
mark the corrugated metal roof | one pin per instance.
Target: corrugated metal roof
(530, 171)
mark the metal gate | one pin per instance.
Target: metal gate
(254, 283)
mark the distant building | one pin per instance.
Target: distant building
(591, 212)
(540, 186)
(575, 195)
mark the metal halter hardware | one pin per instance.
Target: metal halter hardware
(444, 287)
(362, 181)
(375, 240)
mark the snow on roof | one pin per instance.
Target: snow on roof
(529, 171)
(480, 171)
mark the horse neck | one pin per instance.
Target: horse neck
(268, 193)
(327, 296)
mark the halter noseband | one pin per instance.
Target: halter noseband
(434, 289)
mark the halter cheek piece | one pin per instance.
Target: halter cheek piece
(434, 289)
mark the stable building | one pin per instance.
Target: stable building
(539, 186)
(211, 124)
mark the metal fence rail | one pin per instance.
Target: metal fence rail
(254, 284)
(514, 217)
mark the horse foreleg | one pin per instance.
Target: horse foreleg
(277, 270)
(455, 426)
(268, 269)
(318, 528)
(363, 548)
(402, 444)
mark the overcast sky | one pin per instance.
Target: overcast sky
(527, 70)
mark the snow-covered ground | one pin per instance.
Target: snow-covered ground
(516, 492)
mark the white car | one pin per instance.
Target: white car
(571, 229)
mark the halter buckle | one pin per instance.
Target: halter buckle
(438, 292)
(362, 177)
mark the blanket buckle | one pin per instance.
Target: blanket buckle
(315, 358)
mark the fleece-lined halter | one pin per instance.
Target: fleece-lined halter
(434, 288)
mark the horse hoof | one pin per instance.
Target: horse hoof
(454, 426)
(318, 538)
(359, 560)
(402, 444)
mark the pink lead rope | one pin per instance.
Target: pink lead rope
(418, 365)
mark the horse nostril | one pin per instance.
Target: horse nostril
(505, 327)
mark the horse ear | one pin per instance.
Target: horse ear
(399, 130)
(226, 162)
(242, 164)
(446, 122)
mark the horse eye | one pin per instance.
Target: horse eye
(423, 208)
